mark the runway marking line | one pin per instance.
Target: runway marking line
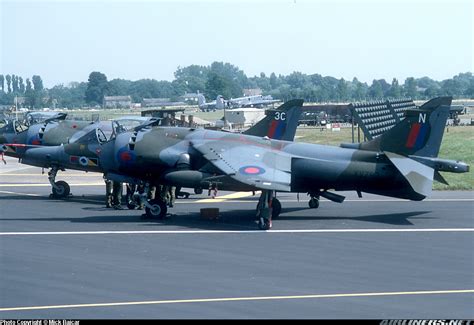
(219, 200)
(237, 299)
(49, 185)
(236, 195)
(197, 232)
(62, 175)
(27, 194)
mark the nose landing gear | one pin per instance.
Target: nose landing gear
(60, 189)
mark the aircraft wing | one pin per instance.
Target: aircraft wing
(260, 102)
(251, 164)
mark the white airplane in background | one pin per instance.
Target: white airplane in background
(248, 101)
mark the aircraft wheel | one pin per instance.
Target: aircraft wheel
(131, 205)
(276, 208)
(158, 209)
(61, 190)
(198, 190)
(313, 203)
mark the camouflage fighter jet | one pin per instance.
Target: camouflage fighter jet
(401, 163)
(52, 132)
(85, 149)
(18, 136)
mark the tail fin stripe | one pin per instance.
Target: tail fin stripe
(412, 137)
(420, 140)
(272, 130)
(280, 129)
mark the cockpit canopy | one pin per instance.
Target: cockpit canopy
(12, 126)
(105, 131)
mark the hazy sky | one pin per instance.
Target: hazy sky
(64, 41)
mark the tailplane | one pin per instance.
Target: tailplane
(279, 123)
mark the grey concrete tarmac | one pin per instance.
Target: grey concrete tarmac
(357, 266)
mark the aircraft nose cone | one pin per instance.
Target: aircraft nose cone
(42, 157)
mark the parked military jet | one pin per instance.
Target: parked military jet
(83, 149)
(54, 131)
(401, 163)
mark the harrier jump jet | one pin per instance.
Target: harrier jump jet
(400, 163)
(92, 148)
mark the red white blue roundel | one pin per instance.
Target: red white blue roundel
(83, 161)
(125, 156)
(251, 170)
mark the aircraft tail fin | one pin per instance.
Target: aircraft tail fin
(220, 102)
(279, 123)
(201, 100)
(419, 134)
(413, 146)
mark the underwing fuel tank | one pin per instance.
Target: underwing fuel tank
(186, 178)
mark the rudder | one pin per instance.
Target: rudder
(279, 123)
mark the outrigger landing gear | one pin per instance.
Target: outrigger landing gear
(60, 189)
(268, 207)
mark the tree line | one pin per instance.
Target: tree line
(227, 80)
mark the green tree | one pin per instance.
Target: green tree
(230, 80)
(29, 94)
(273, 81)
(375, 90)
(39, 93)
(37, 83)
(119, 87)
(409, 88)
(432, 91)
(192, 78)
(342, 90)
(395, 89)
(296, 79)
(97, 87)
(14, 84)
(9, 83)
(21, 85)
(216, 85)
(2, 82)
(360, 90)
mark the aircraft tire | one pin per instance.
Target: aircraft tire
(61, 190)
(158, 210)
(313, 203)
(198, 190)
(131, 205)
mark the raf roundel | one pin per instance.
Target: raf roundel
(125, 156)
(251, 170)
(83, 161)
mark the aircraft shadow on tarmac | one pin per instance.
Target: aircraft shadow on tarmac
(396, 219)
(228, 220)
(234, 219)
